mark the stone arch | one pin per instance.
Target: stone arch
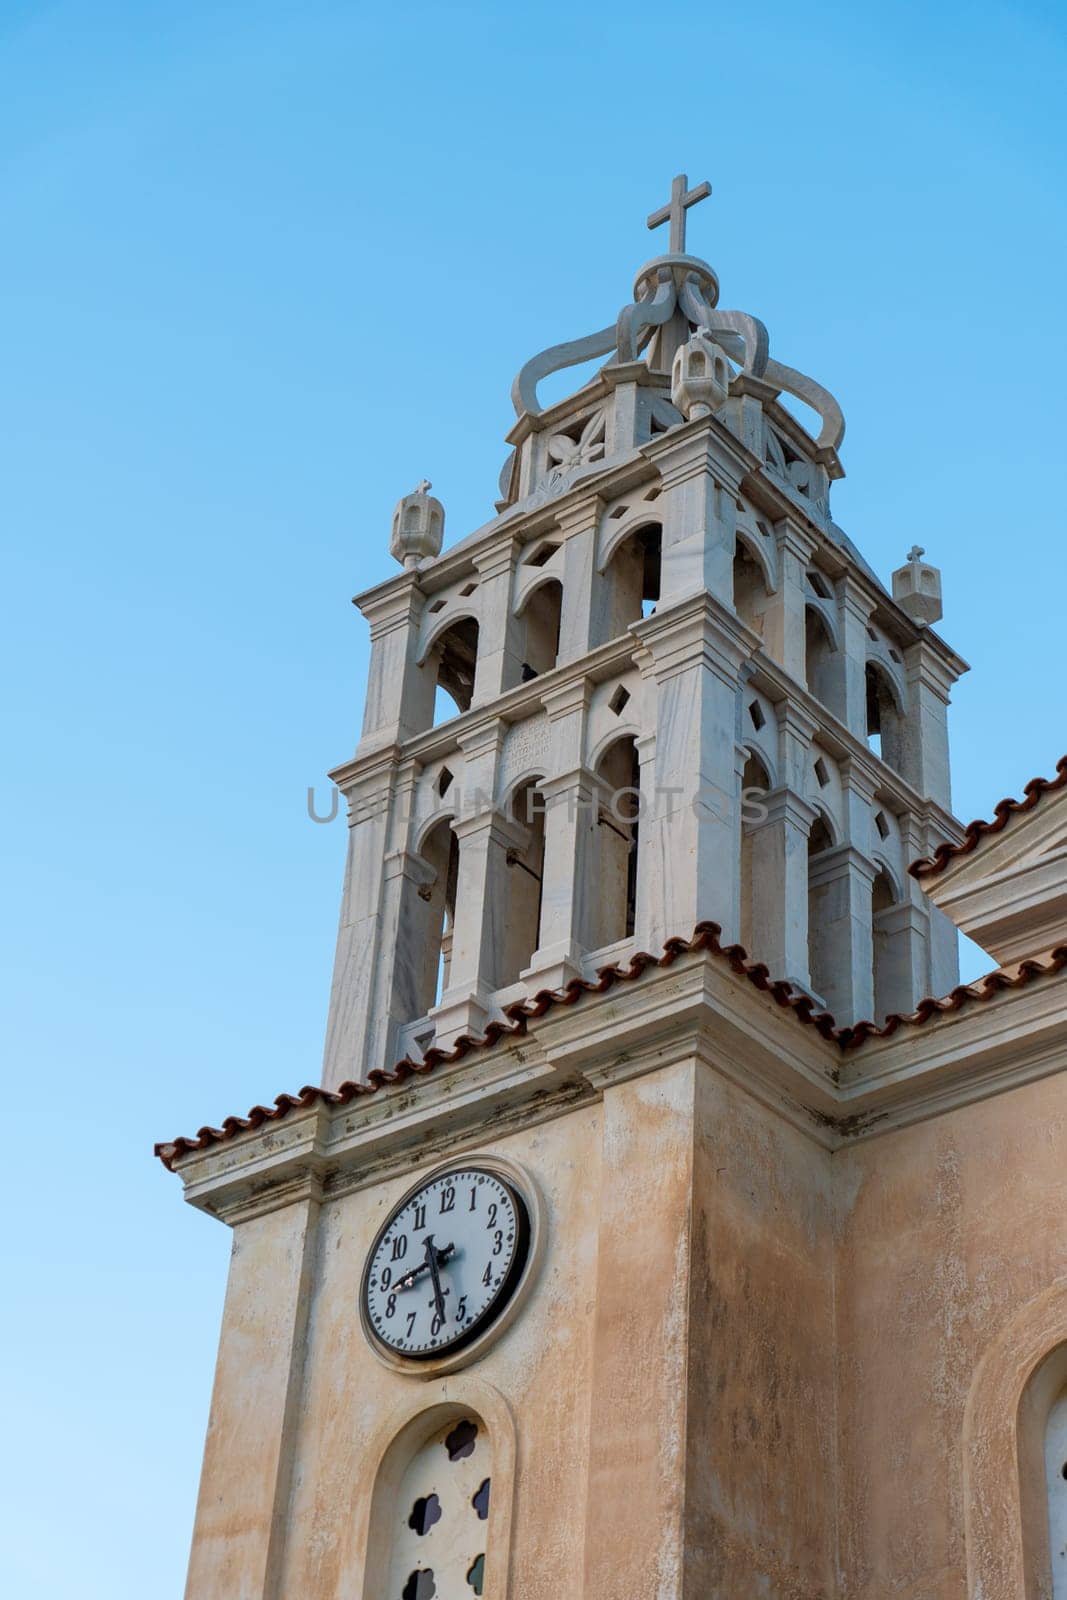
(451, 654)
(614, 533)
(823, 662)
(613, 914)
(523, 870)
(759, 549)
(821, 942)
(756, 775)
(381, 1526)
(885, 714)
(1005, 1516)
(428, 914)
(542, 608)
(751, 587)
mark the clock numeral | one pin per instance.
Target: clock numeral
(461, 1309)
(492, 1216)
(400, 1247)
(474, 1198)
(390, 1306)
(420, 1217)
(436, 1325)
(448, 1198)
(387, 1277)
(411, 1322)
(487, 1275)
(498, 1241)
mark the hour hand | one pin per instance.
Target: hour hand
(414, 1273)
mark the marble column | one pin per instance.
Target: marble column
(689, 860)
(777, 844)
(701, 480)
(500, 636)
(786, 613)
(926, 760)
(400, 694)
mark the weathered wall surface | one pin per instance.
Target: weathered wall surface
(542, 1367)
(759, 1462)
(945, 1231)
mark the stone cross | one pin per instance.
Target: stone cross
(681, 199)
(915, 554)
(424, 487)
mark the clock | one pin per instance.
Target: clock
(447, 1262)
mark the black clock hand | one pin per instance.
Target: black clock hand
(431, 1262)
(416, 1272)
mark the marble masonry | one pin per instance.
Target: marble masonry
(668, 1223)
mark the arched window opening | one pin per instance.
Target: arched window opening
(892, 978)
(616, 847)
(434, 912)
(885, 725)
(634, 572)
(456, 656)
(754, 783)
(524, 866)
(440, 1516)
(1041, 1435)
(1056, 1491)
(750, 590)
(543, 614)
(820, 936)
(821, 665)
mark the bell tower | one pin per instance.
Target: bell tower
(660, 686)
(569, 1277)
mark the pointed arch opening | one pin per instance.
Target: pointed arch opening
(617, 843)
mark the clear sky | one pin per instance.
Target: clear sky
(265, 266)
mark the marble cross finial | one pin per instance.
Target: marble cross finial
(915, 554)
(682, 198)
(424, 487)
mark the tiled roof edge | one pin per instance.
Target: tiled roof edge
(705, 938)
(1003, 812)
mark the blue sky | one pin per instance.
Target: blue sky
(264, 267)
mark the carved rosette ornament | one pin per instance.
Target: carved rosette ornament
(418, 527)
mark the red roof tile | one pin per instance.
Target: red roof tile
(976, 831)
(705, 938)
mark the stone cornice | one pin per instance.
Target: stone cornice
(695, 1007)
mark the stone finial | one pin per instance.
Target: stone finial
(700, 376)
(917, 588)
(418, 526)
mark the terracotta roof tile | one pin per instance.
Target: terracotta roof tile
(705, 938)
(1003, 812)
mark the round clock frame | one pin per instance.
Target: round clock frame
(502, 1310)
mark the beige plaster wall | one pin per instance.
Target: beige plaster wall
(759, 1462)
(541, 1366)
(946, 1232)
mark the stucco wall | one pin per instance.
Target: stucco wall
(761, 1437)
(946, 1232)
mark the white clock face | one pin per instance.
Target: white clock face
(446, 1263)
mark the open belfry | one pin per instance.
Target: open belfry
(652, 1234)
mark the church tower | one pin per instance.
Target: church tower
(549, 1290)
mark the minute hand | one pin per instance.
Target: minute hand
(431, 1262)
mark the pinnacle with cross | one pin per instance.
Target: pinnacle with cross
(915, 554)
(682, 197)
